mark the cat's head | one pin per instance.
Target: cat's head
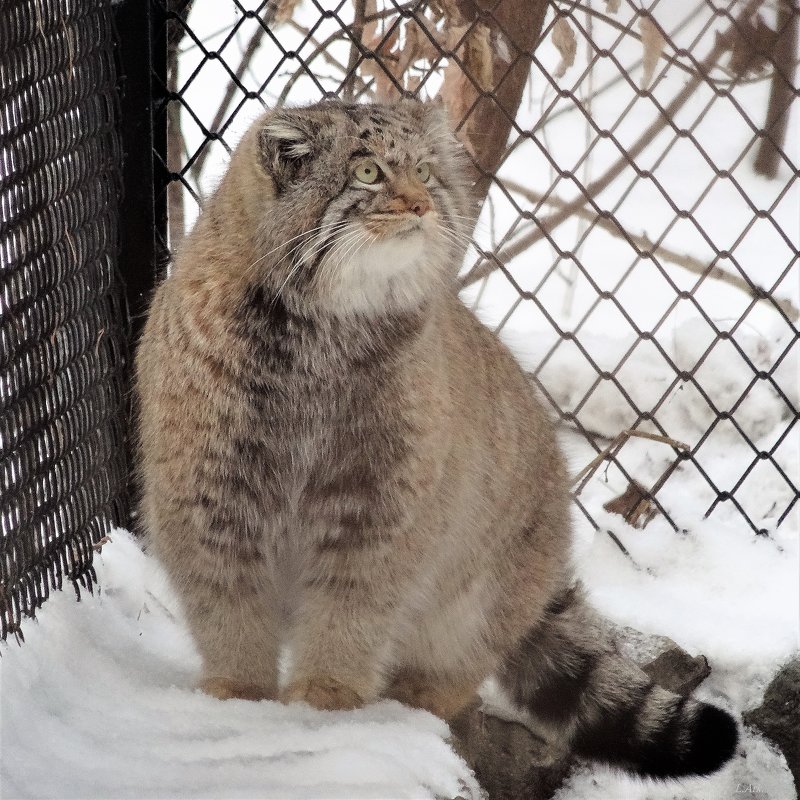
(370, 208)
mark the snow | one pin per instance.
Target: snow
(763, 416)
(99, 703)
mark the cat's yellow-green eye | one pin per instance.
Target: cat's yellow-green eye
(368, 172)
(424, 171)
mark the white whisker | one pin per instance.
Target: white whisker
(326, 227)
(314, 249)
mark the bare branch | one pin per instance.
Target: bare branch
(357, 29)
(782, 91)
(230, 89)
(548, 224)
(683, 260)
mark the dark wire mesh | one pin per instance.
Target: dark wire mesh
(656, 89)
(62, 337)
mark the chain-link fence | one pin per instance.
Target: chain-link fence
(62, 336)
(637, 243)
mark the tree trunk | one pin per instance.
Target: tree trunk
(518, 24)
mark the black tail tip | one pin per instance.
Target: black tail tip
(714, 739)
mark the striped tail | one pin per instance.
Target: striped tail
(585, 696)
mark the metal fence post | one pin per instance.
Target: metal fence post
(142, 47)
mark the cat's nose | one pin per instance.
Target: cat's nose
(420, 207)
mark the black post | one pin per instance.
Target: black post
(143, 256)
(142, 43)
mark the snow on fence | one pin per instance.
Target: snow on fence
(62, 327)
(636, 170)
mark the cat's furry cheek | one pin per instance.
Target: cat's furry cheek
(396, 273)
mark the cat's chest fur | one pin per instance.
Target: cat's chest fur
(327, 402)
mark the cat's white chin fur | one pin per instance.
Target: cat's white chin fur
(394, 273)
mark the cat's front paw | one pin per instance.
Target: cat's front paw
(227, 689)
(324, 693)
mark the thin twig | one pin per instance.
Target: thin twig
(610, 453)
(357, 30)
(626, 30)
(394, 8)
(614, 538)
(230, 90)
(610, 84)
(319, 50)
(683, 260)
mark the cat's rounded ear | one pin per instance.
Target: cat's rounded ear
(285, 143)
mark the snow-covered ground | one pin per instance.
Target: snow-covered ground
(99, 703)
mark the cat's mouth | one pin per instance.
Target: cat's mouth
(394, 226)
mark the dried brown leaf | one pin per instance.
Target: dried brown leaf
(478, 56)
(612, 6)
(449, 9)
(371, 27)
(409, 53)
(473, 46)
(653, 43)
(285, 10)
(423, 40)
(455, 37)
(431, 50)
(566, 44)
(384, 66)
(384, 88)
(459, 95)
(633, 505)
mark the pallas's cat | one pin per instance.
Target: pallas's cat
(337, 458)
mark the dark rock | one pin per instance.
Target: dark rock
(633, 644)
(509, 761)
(668, 664)
(677, 671)
(778, 717)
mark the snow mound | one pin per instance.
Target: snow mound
(99, 703)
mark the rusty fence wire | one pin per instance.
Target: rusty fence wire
(637, 207)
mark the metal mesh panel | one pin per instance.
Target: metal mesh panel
(62, 456)
(643, 259)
